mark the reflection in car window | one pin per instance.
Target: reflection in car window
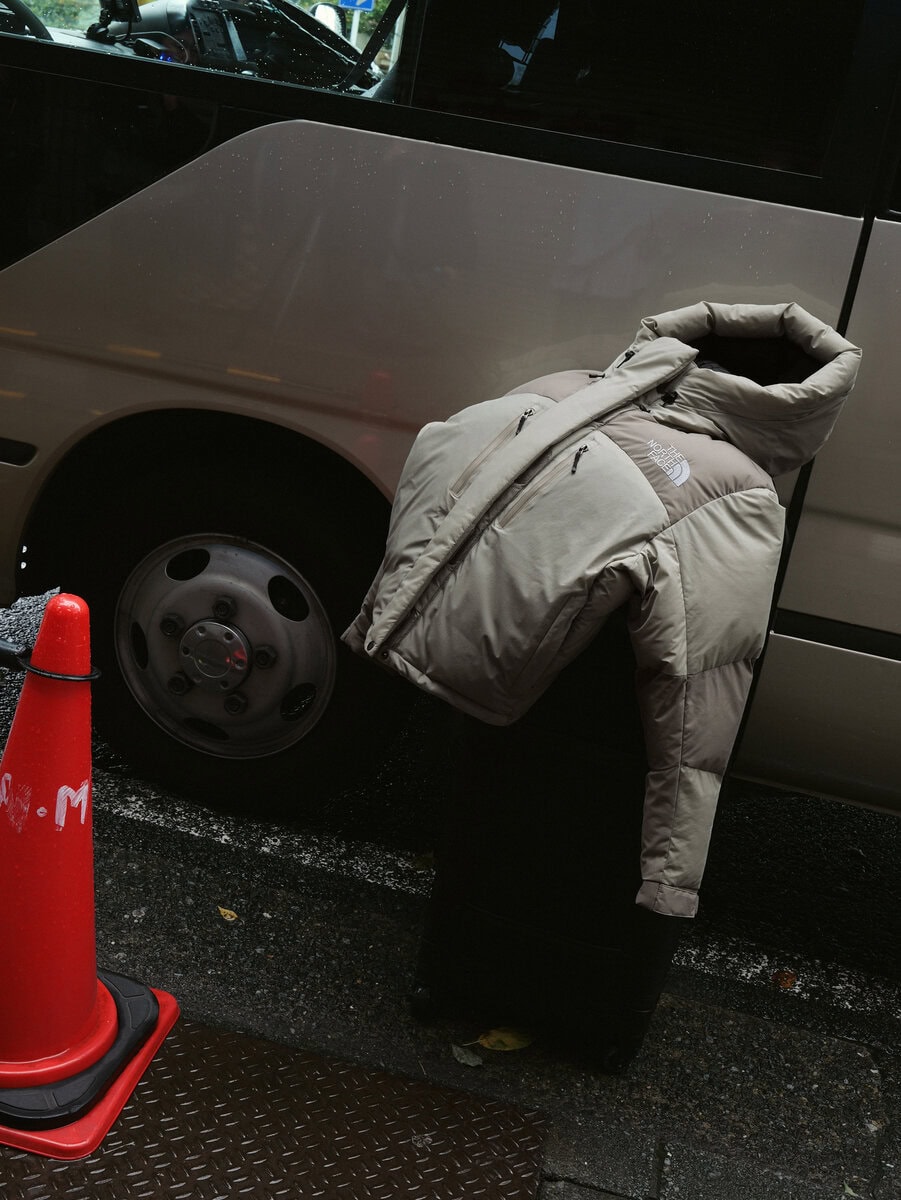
(278, 40)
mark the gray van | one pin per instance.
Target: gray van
(242, 264)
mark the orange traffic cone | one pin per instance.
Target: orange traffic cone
(72, 1045)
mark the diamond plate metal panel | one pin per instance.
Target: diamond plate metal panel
(219, 1115)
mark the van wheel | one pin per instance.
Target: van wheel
(215, 623)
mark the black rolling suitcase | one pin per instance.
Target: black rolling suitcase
(532, 921)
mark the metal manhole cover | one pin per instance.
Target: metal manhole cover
(219, 1115)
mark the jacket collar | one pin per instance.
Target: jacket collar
(770, 379)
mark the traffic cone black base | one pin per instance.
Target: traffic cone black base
(149, 1015)
(49, 1105)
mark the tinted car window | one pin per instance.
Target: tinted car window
(755, 83)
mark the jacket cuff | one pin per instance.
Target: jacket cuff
(666, 899)
(355, 634)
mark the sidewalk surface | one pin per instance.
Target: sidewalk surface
(767, 1072)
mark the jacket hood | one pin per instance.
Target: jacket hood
(769, 378)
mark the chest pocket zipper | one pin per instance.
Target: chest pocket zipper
(514, 428)
(567, 464)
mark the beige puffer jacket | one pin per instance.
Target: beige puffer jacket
(521, 523)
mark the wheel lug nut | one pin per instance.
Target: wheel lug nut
(171, 625)
(223, 608)
(264, 656)
(179, 684)
(236, 703)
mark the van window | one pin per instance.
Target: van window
(751, 82)
(275, 40)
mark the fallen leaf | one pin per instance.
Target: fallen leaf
(227, 915)
(504, 1039)
(849, 1191)
(467, 1057)
(785, 978)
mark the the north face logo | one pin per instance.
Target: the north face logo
(671, 460)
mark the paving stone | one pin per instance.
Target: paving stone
(563, 1190)
(692, 1174)
(602, 1150)
(888, 1186)
(808, 1105)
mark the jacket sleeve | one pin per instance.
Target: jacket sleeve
(414, 514)
(698, 624)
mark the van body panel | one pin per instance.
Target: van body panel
(825, 720)
(374, 276)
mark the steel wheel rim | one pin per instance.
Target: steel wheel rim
(225, 646)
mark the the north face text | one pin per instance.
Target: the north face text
(671, 460)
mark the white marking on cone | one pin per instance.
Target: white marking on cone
(17, 801)
(67, 796)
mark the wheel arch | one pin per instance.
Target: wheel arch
(108, 460)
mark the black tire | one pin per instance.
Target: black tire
(215, 615)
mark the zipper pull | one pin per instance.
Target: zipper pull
(522, 420)
(625, 358)
(666, 399)
(582, 450)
